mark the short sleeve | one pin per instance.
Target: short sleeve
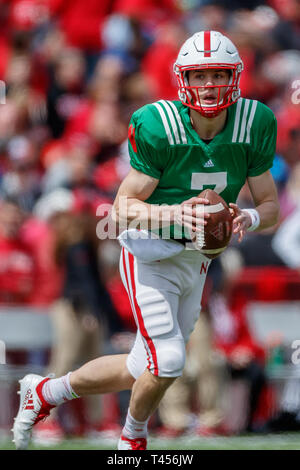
(262, 155)
(144, 156)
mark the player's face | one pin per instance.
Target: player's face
(212, 82)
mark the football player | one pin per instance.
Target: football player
(210, 138)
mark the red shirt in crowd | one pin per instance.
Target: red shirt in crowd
(28, 275)
(17, 271)
(81, 20)
(231, 331)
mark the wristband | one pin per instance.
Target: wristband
(255, 219)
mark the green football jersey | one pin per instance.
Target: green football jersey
(164, 145)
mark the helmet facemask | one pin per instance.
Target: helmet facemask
(190, 95)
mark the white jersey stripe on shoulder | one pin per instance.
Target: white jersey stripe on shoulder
(165, 123)
(244, 119)
(237, 120)
(250, 121)
(172, 120)
(179, 121)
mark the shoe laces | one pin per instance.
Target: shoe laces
(44, 412)
(141, 445)
(42, 415)
(137, 444)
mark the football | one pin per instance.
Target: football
(217, 233)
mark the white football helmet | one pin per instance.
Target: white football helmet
(208, 49)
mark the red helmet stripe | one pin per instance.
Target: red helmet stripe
(207, 44)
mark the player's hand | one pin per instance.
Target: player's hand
(241, 220)
(191, 215)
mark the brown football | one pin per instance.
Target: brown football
(218, 231)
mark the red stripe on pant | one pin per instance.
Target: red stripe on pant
(126, 278)
(207, 45)
(139, 316)
(131, 300)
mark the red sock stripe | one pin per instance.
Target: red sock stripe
(39, 392)
(140, 317)
(207, 45)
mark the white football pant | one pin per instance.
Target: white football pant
(165, 297)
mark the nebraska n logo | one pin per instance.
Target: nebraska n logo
(218, 232)
(131, 137)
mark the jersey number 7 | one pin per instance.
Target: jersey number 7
(217, 179)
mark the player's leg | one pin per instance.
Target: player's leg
(174, 407)
(154, 296)
(194, 267)
(105, 374)
(38, 395)
(68, 322)
(147, 393)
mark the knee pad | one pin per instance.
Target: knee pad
(170, 357)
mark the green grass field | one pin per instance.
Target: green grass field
(286, 441)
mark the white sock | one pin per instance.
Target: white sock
(134, 429)
(57, 391)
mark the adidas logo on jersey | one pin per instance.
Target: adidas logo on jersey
(208, 164)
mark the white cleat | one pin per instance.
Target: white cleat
(139, 443)
(32, 409)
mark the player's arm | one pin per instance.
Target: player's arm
(130, 205)
(264, 194)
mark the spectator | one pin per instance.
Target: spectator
(19, 269)
(81, 22)
(65, 90)
(245, 361)
(22, 178)
(157, 64)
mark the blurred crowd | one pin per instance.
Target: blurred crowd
(73, 73)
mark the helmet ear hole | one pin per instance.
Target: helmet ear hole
(186, 77)
(193, 96)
